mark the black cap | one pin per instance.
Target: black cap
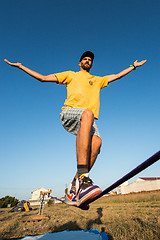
(87, 54)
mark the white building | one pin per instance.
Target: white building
(140, 185)
(36, 196)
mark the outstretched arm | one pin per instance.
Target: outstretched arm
(126, 71)
(38, 76)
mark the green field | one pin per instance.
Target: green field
(123, 217)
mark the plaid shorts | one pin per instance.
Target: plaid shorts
(70, 119)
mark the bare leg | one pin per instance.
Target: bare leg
(88, 147)
(83, 142)
(95, 150)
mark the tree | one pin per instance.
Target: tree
(66, 190)
(8, 200)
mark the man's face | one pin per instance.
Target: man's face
(86, 63)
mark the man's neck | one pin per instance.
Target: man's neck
(83, 70)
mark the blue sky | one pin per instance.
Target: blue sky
(49, 37)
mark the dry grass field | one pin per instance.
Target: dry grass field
(132, 216)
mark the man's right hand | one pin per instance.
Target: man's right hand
(13, 64)
(38, 76)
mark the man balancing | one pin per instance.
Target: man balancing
(78, 115)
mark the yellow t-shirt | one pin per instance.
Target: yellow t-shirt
(83, 89)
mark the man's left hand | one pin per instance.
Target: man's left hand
(138, 64)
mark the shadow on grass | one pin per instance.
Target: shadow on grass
(72, 225)
(98, 221)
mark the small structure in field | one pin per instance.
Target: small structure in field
(140, 185)
(36, 196)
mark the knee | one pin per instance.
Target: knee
(98, 143)
(87, 115)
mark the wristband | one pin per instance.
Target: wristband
(133, 66)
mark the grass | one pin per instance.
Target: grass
(132, 216)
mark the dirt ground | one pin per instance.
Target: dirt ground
(133, 216)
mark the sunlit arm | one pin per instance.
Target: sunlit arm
(38, 76)
(126, 71)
